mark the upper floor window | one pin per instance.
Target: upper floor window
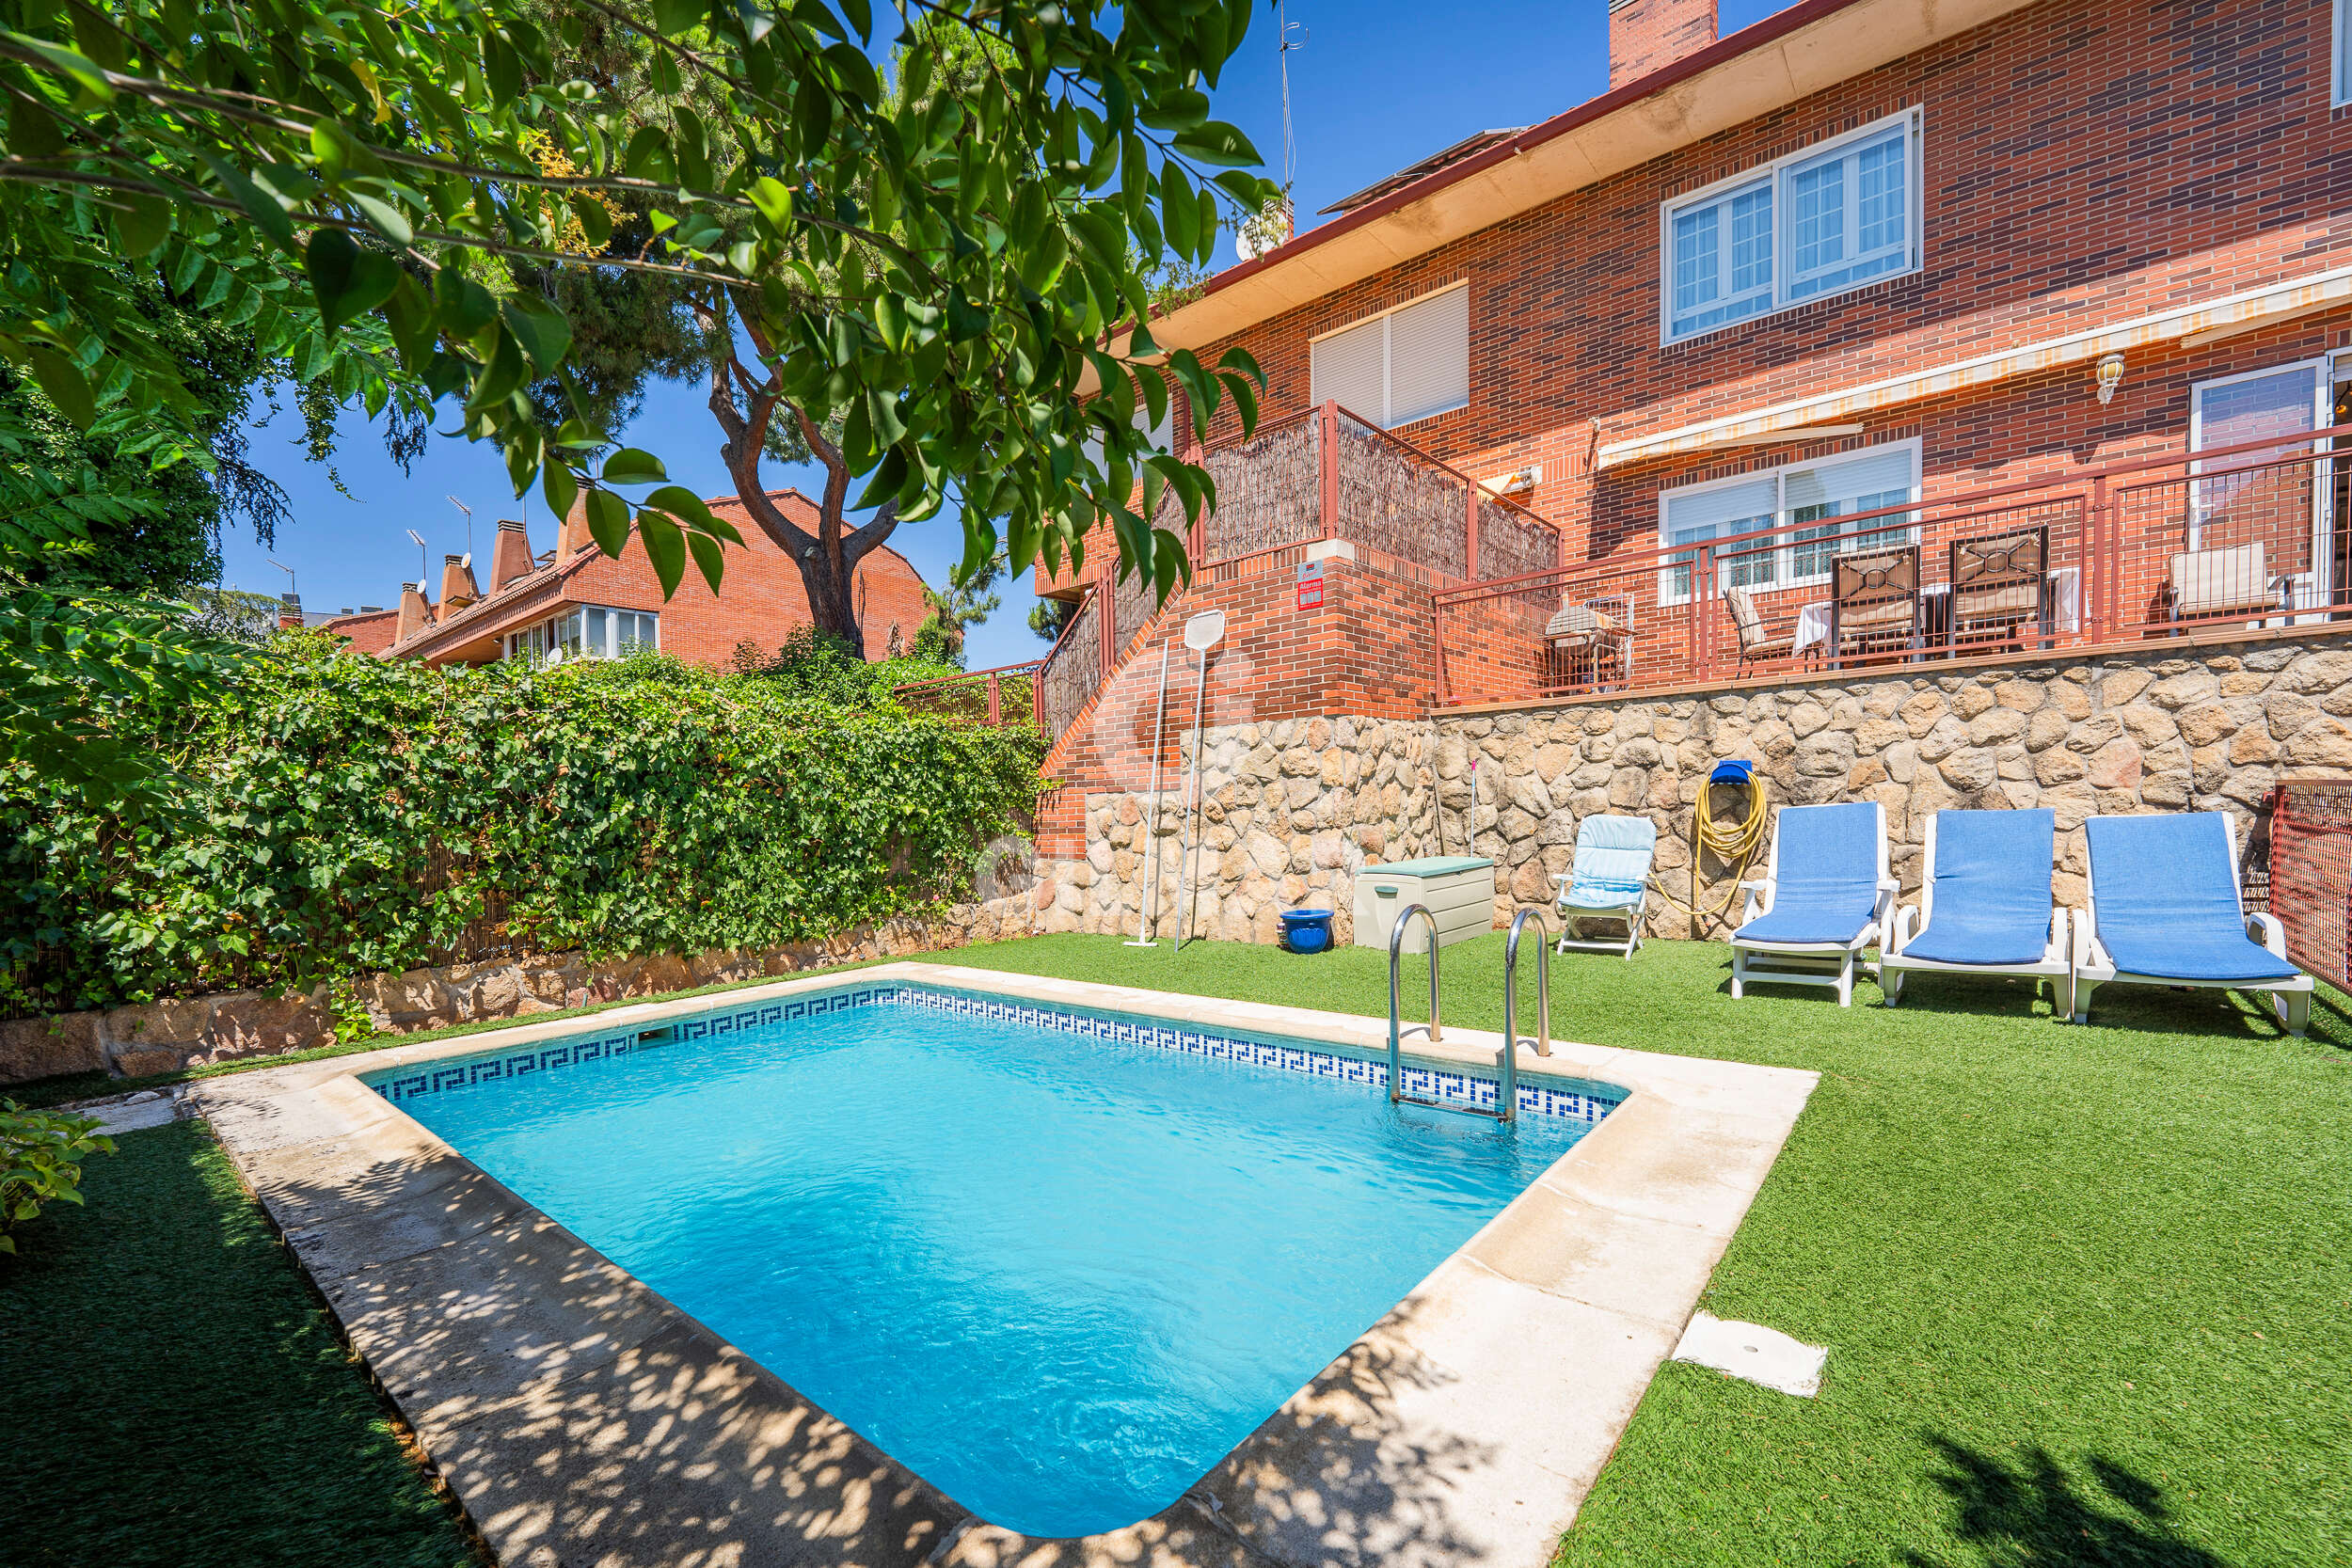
(1823, 221)
(2343, 52)
(591, 631)
(1808, 501)
(1406, 364)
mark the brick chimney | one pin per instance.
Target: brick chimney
(416, 612)
(1646, 35)
(457, 587)
(289, 613)
(572, 535)
(509, 558)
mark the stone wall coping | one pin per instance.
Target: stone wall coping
(2150, 647)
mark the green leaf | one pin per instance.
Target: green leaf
(31, 133)
(679, 16)
(687, 507)
(633, 466)
(259, 204)
(560, 488)
(1217, 143)
(79, 68)
(144, 223)
(608, 521)
(772, 199)
(64, 385)
(1180, 210)
(389, 219)
(348, 280)
(540, 327)
(708, 557)
(665, 547)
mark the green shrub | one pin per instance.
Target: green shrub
(40, 1162)
(342, 815)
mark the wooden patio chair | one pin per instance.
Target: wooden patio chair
(2001, 583)
(1874, 604)
(2205, 585)
(1592, 634)
(1748, 622)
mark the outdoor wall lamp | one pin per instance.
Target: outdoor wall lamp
(2111, 376)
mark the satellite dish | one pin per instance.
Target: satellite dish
(1245, 244)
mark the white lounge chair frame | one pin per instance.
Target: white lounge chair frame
(2291, 1000)
(2056, 965)
(1808, 963)
(1631, 913)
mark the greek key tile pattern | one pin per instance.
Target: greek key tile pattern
(1573, 1099)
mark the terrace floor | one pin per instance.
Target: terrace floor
(2083, 1290)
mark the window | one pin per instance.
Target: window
(2261, 502)
(1406, 364)
(2343, 52)
(1829, 219)
(591, 631)
(1809, 500)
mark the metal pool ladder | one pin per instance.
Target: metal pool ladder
(1506, 1109)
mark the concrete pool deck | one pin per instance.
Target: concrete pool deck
(584, 1419)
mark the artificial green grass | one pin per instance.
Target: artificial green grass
(2087, 1292)
(171, 1394)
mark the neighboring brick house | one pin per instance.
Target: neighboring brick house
(576, 600)
(1866, 257)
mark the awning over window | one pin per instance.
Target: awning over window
(2212, 318)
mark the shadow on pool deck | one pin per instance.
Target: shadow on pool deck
(2033, 1517)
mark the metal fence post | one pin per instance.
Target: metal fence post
(1470, 526)
(996, 715)
(1330, 466)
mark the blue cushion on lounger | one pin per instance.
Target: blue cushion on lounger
(1827, 877)
(1992, 902)
(1612, 856)
(2168, 906)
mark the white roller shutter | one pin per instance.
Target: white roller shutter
(1840, 482)
(1429, 357)
(1714, 513)
(1350, 369)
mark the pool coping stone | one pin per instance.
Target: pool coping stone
(582, 1418)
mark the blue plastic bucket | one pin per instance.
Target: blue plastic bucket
(1307, 930)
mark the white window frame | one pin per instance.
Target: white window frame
(544, 641)
(2339, 39)
(1784, 246)
(1784, 554)
(2316, 585)
(1388, 368)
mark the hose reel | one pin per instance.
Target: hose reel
(1732, 841)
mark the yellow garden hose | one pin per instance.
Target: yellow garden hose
(1734, 842)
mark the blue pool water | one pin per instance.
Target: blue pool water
(1058, 1277)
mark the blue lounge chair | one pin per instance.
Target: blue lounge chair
(1984, 906)
(2165, 912)
(1608, 879)
(1825, 895)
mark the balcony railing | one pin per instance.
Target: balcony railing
(2239, 538)
(1009, 694)
(1326, 474)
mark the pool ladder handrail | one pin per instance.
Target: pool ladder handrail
(1506, 1099)
(1508, 1062)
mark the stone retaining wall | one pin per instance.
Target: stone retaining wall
(1293, 810)
(164, 1036)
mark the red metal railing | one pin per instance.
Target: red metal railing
(1323, 475)
(1009, 694)
(2239, 538)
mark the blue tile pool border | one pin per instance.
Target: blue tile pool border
(1572, 1099)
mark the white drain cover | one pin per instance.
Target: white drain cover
(1750, 1351)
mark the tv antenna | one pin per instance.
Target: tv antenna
(287, 570)
(418, 539)
(469, 512)
(1284, 43)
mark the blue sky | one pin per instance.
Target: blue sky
(1377, 86)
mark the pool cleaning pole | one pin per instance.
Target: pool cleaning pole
(1149, 902)
(1202, 633)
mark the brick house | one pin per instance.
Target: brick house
(1587, 431)
(578, 600)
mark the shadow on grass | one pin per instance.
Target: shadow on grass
(2036, 1515)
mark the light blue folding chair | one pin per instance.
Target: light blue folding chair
(1826, 896)
(2165, 912)
(1984, 906)
(1608, 879)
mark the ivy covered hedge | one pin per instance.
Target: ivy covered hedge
(344, 815)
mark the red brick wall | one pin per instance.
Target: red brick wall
(1649, 34)
(2084, 162)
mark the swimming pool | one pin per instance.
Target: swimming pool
(1056, 1261)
